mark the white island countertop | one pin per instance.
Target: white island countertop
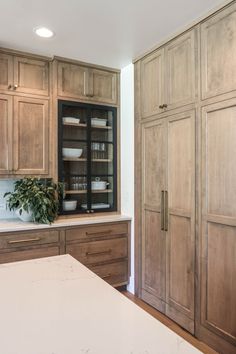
(57, 306)
(10, 225)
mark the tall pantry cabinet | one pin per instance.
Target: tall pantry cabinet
(185, 128)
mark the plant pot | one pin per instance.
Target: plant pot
(25, 215)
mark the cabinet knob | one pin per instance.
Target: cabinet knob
(15, 87)
(161, 106)
(165, 105)
(9, 87)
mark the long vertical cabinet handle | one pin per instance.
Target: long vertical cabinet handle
(162, 210)
(166, 211)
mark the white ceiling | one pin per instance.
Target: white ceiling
(105, 32)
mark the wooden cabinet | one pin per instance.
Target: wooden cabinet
(168, 76)
(218, 53)
(168, 209)
(217, 313)
(84, 83)
(5, 134)
(6, 71)
(24, 144)
(24, 75)
(20, 246)
(103, 248)
(30, 143)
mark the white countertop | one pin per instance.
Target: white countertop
(10, 225)
(57, 306)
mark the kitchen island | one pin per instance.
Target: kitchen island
(56, 305)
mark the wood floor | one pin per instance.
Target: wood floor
(170, 324)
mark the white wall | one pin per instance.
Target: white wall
(5, 186)
(127, 153)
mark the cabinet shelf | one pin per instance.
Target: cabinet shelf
(81, 159)
(84, 191)
(83, 125)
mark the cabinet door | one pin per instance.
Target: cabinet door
(181, 221)
(5, 134)
(218, 53)
(103, 86)
(6, 71)
(152, 86)
(72, 80)
(31, 76)
(31, 128)
(218, 229)
(153, 237)
(180, 73)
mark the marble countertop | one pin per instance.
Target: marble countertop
(10, 225)
(57, 306)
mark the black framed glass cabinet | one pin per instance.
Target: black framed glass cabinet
(87, 156)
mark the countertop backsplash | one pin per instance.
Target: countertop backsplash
(5, 186)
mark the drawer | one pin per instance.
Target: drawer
(24, 239)
(113, 273)
(98, 251)
(94, 231)
(24, 255)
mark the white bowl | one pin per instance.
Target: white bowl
(68, 152)
(98, 122)
(69, 205)
(99, 185)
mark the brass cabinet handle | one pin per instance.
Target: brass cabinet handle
(24, 240)
(165, 105)
(98, 253)
(161, 106)
(166, 210)
(98, 232)
(15, 87)
(106, 276)
(9, 87)
(162, 210)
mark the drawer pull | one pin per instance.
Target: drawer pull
(98, 232)
(23, 241)
(98, 253)
(106, 276)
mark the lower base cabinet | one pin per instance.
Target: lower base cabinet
(103, 248)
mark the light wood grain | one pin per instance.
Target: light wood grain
(31, 129)
(6, 72)
(5, 134)
(103, 86)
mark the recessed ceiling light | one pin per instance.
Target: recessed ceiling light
(43, 32)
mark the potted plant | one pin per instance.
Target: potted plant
(34, 199)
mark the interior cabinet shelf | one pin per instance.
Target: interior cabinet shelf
(81, 125)
(85, 191)
(81, 159)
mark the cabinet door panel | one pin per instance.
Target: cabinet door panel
(152, 83)
(218, 229)
(180, 234)
(5, 134)
(153, 238)
(31, 76)
(218, 53)
(181, 70)
(72, 80)
(31, 127)
(103, 86)
(6, 71)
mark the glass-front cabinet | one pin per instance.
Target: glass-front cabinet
(87, 157)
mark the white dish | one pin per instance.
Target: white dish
(98, 122)
(96, 206)
(69, 152)
(99, 185)
(71, 120)
(69, 205)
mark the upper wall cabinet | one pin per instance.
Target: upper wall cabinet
(85, 83)
(24, 75)
(168, 76)
(218, 53)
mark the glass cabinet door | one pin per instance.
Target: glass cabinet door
(103, 158)
(73, 156)
(87, 157)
